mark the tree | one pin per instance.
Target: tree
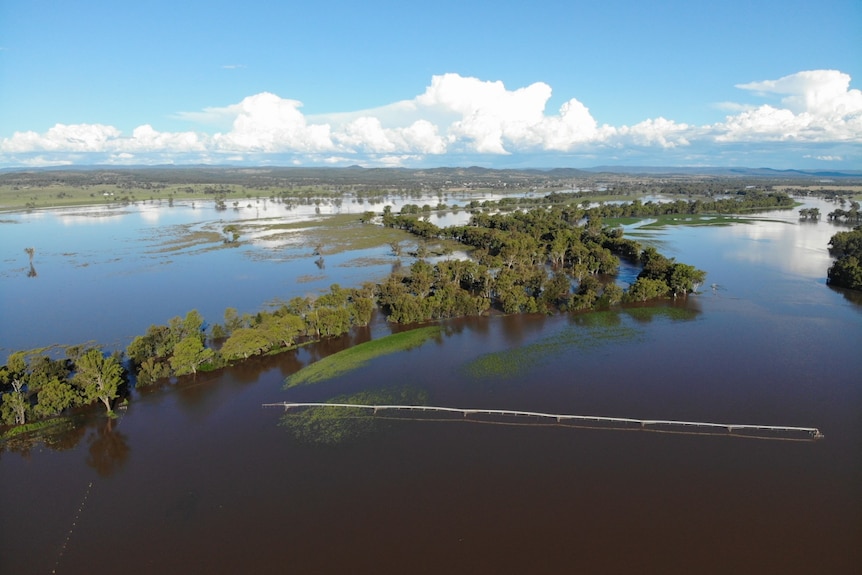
(32, 273)
(557, 291)
(612, 294)
(158, 342)
(98, 377)
(283, 328)
(646, 288)
(232, 320)
(363, 308)
(655, 265)
(846, 272)
(231, 234)
(190, 326)
(421, 278)
(587, 294)
(189, 354)
(244, 343)
(333, 321)
(54, 397)
(684, 279)
(15, 407)
(512, 294)
(151, 370)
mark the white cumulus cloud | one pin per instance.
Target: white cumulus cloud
(815, 106)
(267, 123)
(63, 137)
(463, 116)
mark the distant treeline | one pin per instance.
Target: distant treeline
(387, 180)
(547, 259)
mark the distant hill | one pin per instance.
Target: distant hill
(407, 178)
(723, 171)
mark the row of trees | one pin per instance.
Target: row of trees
(851, 216)
(847, 269)
(35, 386)
(179, 348)
(735, 202)
(809, 214)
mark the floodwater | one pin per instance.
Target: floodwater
(105, 274)
(199, 477)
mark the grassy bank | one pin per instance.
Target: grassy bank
(359, 355)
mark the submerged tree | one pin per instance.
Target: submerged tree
(231, 234)
(30, 252)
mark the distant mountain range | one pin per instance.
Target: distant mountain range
(476, 171)
(728, 172)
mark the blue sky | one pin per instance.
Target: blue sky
(572, 84)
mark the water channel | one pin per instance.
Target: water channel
(199, 477)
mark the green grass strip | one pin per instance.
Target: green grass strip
(359, 355)
(33, 427)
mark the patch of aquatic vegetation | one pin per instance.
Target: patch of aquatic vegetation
(309, 278)
(339, 425)
(359, 355)
(106, 213)
(647, 314)
(366, 262)
(588, 332)
(270, 254)
(49, 432)
(294, 239)
(182, 237)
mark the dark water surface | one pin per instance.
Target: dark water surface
(200, 478)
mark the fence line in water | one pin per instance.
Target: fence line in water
(812, 432)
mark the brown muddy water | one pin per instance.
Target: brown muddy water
(200, 478)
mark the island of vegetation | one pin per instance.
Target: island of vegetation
(546, 254)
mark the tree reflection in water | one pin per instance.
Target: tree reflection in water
(109, 449)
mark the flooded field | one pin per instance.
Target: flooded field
(107, 273)
(200, 477)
